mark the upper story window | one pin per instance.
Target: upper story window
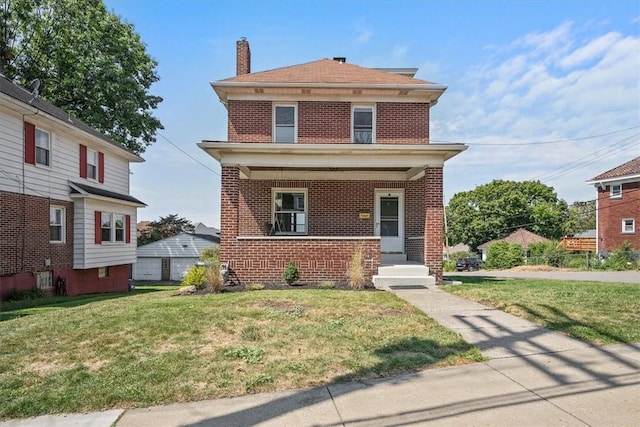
(363, 129)
(43, 148)
(290, 211)
(615, 191)
(92, 164)
(56, 224)
(284, 123)
(628, 225)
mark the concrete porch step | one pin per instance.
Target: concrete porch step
(403, 275)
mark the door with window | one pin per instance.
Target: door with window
(389, 221)
(166, 269)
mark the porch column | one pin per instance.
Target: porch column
(230, 188)
(433, 221)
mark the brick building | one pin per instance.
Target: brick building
(65, 208)
(618, 206)
(326, 157)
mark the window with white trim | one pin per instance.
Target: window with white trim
(113, 227)
(106, 226)
(628, 226)
(362, 128)
(56, 224)
(290, 211)
(92, 164)
(119, 227)
(43, 147)
(615, 191)
(285, 123)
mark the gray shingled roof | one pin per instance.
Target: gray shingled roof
(104, 193)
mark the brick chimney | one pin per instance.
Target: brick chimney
(243, 57)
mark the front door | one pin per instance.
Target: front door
(166, 269)
(389, 220)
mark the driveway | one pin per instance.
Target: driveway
(589, 276)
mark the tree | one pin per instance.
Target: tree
(89, 62)
(494, 210)
(167, 226)
(582, 216)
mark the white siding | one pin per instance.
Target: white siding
(147, 269)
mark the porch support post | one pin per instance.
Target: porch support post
(229, 204)
(433, 221)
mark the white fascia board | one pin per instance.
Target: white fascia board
(616, 180)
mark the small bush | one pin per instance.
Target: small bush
(503, 255)
(327, 284)
(291, 273)
(461, 254)
(212, 274)
(448, 265)
(210, 254)
(26, 294)
(196, 276)
(254, 287)
(623, 258)
(355, 268)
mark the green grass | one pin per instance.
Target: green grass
(599, 313)
(150, 347)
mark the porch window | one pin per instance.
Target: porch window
(284, 124)
(290, 211)
(363, 129)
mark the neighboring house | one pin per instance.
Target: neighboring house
(323, 158)
(447, 251)
(520, 237)
(618, 206)
(65, 206)
(200, 228)
(170, 258)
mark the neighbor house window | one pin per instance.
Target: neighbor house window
(92, 164)
(363, 129)
(284, 123)
(628, 225)
(56, 224)
(290, 211)
(616, 191)
(43, 148)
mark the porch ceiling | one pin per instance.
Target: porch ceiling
(331, 161)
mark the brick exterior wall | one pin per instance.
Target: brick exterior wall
(249, 121)
(264, 260)
(433, 222)
(610, 215)
(24, 235)
(329, 122)
(402, 123)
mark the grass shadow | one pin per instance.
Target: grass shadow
(478, 280)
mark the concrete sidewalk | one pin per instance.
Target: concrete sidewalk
(534, 377)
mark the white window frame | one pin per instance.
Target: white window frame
(103, 272)
(624, 226)
(295, 122)
(92, 156)
(113, 229)
(123, 220)
(615, 194)
(371, 107)
(276, 230)
(39, 132)
(62, 224)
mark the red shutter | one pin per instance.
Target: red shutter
(29, 143)
(100, 167)
(83, 161)
(128, 226)
(98, 228)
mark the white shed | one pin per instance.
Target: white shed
(170, 258)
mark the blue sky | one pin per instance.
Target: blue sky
(546, 90)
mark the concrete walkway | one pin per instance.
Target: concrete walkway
(534, 377)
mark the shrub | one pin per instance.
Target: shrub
(196, 276)
(504, 255)
(623, 258)
(211, 254)
(460, 254)
(212, 274)
(291, 273)
(25, 294)
(449, 265)
(355, 268)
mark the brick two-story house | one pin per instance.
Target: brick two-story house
(618, 206)
(65, 208)
(323, 158)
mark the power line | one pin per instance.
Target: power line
(189, 155)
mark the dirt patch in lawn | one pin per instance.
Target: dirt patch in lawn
(538, 268)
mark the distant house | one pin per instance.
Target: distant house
(67, 216)
(618, 206)
(168, 259)
(447, 251)
(520, 237)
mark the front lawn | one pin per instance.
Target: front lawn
(600, 313)
(149, 348)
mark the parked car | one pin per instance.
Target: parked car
(469, 264)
